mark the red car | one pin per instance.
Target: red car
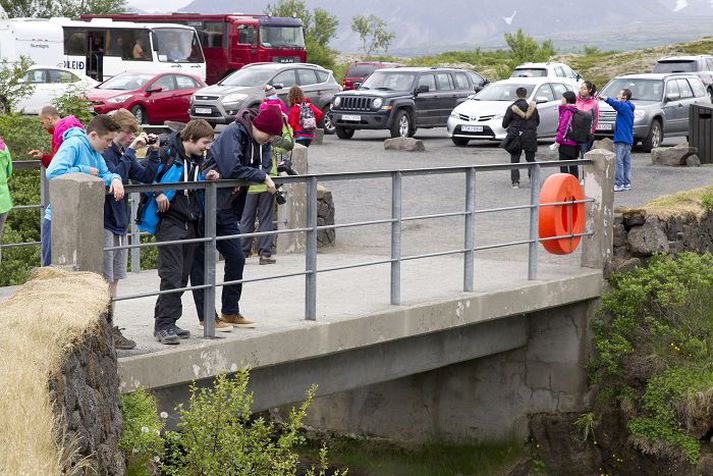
(358, 71)
(152, 98)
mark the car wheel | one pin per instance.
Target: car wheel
(460, 141)
(655, 137)
(710, 93)
(412, 132)
(140, 114)
(327, 119)
(344, 133)
(402, 125)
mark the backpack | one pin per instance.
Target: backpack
(580, 128)
(308, 122)
(147, 204)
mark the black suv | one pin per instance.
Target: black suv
(403, 99)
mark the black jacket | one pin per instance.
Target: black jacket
(521, 120)
(124, 163)
(186, 205)
(237, 156)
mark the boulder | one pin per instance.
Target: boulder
(693, 161)
(407, 144)
(604, 144)
(628, 265)
(672, 156)
(634, 217)
(648, 239)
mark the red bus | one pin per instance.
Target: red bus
(230, 41)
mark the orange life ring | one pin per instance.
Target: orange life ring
(561, 220)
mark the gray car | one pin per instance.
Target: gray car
(662, 102)
(218, 103)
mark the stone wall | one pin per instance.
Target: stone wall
(325, 216)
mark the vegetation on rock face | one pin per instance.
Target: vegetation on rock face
(654, 354)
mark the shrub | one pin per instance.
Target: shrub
(707, 202)
(141, 438)
(74, 102)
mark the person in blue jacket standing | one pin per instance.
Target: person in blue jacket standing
(623, 138)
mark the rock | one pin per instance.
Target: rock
(318, 137)
(619, 235)
(325, 216)
(407, 144)
(648, 239)
(604, 144)
(627, 265)
(634, 218)
(672, 156)
(693, 161)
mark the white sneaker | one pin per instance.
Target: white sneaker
(627, 188)
(618, 188)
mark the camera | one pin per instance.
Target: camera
(151, 139)
(285, 166)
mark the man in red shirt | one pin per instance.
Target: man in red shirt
(56, 126)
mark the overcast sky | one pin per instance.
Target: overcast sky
(163, 5)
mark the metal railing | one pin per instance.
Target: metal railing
(44, 197)
(311, 229)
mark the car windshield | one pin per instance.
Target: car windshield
(390, 81)
(126, 82)
(282, 36)
(641, 89)
(502, 92)
(675, 67)
(360, 70)
(250, 77)
(178, 45)
(529, 73)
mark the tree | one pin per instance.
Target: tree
(373, 33)
(13, 87)
(524, 48)
(60, 8)
(320, 28)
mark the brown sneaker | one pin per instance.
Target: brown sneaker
(237, 320)
(121, 342)
(267, 260)
(220, 326)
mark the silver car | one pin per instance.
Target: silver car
(244, 88)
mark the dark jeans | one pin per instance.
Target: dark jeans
(46, 240)
(226, 224)
(262, 206)
(569, 152)
(515, 159)
(174, 267)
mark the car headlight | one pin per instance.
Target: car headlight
(639, 115)
(377, 103)
(118, 99)
(337, 101)
(454, 114)
(231, 98)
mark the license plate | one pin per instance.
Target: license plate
(472, 128)
(350, 117)
(203, 110)
(605, 127)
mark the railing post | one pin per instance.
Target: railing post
(209, 249)
(533, 247)
(311, 252)
(469, 255)
(135, 237)
(396, 238)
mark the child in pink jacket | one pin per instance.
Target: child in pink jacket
(587, 102)
(568, 149)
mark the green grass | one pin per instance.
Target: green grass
(371, 457)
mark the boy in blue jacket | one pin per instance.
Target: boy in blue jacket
(623, 138)
(121, 159)
(80, 152)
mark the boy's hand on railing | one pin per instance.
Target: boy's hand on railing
(163, 202)
(270, 184)
(93, 171)
(117, 189)
(212, 175)
(35, 154)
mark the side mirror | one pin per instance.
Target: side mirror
(356, 85)
(156, 89)
(278, 86)
(672, 97)
(578, 77)
(541, 99)
(423, 88)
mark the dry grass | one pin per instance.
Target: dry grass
(38, 326)
(688, 203)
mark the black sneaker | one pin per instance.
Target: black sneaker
(181, 333)
(121, 342)
(166, 336)
(267, 260)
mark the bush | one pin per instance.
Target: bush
(74, 102)
(141, 438)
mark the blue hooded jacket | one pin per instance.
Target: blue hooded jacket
(624, 127)
(76, 155)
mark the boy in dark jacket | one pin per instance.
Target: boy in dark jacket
(241, 152)
(623, 138)
(179, 215)
(521, 120)
(120, 159)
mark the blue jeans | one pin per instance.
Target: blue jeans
(623, 164)
(46, 239)
(584, 148)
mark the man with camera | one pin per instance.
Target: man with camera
(120, 159)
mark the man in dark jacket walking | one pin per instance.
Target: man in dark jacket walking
(241, 152)
(521, 120)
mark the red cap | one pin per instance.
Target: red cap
(269, 120)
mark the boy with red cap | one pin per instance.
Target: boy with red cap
(241, 152)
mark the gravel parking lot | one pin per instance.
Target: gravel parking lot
(369, 200)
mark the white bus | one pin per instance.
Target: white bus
(102, 48)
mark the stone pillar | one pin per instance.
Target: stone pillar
(78, 222)
(597, 249)
(318, 137)
(293, 214)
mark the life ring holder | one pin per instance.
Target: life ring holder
(562, 220)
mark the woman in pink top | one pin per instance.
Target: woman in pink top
(568, 149)
(587, 102)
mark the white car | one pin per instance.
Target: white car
(481, 116)
(554, 71)
(50, 82)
